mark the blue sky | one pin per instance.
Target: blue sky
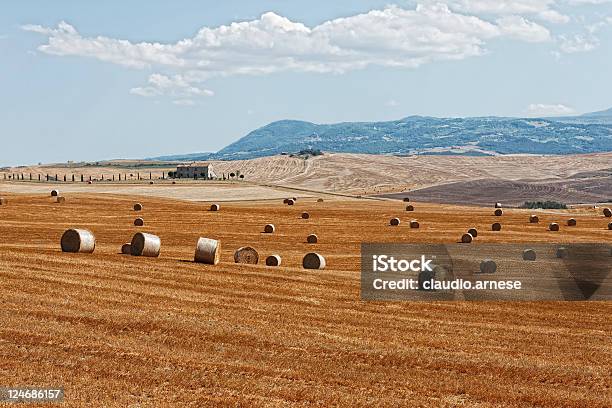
(88, 81)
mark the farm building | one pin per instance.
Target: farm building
(194, 170)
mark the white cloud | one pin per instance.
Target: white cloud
(176, 86)
(577, 43)
(502, 6)
(392, 37)
(583, 42)
(519, 28)
(541, 9)
(581, 2)
(554, 16)
(541, 110)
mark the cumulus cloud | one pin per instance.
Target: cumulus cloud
(577, 43)
(519, 28)
(502, 6)
(554, 16)
(542, 9)
(585, 41)
(176, 86)
(580, 2)
(392, 37)
(541, 110)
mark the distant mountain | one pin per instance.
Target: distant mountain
(601, 117)
(588, 133)
(184, 157)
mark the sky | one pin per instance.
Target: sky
(89, 81)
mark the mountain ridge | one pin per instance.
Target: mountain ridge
(489, 135)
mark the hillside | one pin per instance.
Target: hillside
(414, 135)
(446, 179)
(588, 133)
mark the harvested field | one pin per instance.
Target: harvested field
(368, 174)
(515, 193)
(205, 191)
(131, 331)
(377, 174)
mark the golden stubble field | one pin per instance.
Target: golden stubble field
(116, 330)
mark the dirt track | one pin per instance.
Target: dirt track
(116, 330)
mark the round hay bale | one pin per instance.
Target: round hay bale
(442, 273)
(54, 193)
(488, 266)
(409, 208)
(78, 240)
(534, 219)
(3, 201)
(273, 260)
(313, 260)
(269, 228)
(60, 199)
(126, 248)
(424, 276)
(473, 232)
(207, 251)
(144, 244)
(610, 226)
(571, 222)
(553, 226)
(394, 222)
(607, 212)
(214, 207)
(174, 182)
(406, 199)
(496, 226)
(320, 200)
(139, 222)
(305, 215)
(562, 252)
(137, 207)
(467, 238)
(290, 201)
(312, 239)
(499, 212)
(246, 255)
(498, 205)
(529, 255)
(414, 224)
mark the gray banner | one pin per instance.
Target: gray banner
(523, 272)
(31, 394)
